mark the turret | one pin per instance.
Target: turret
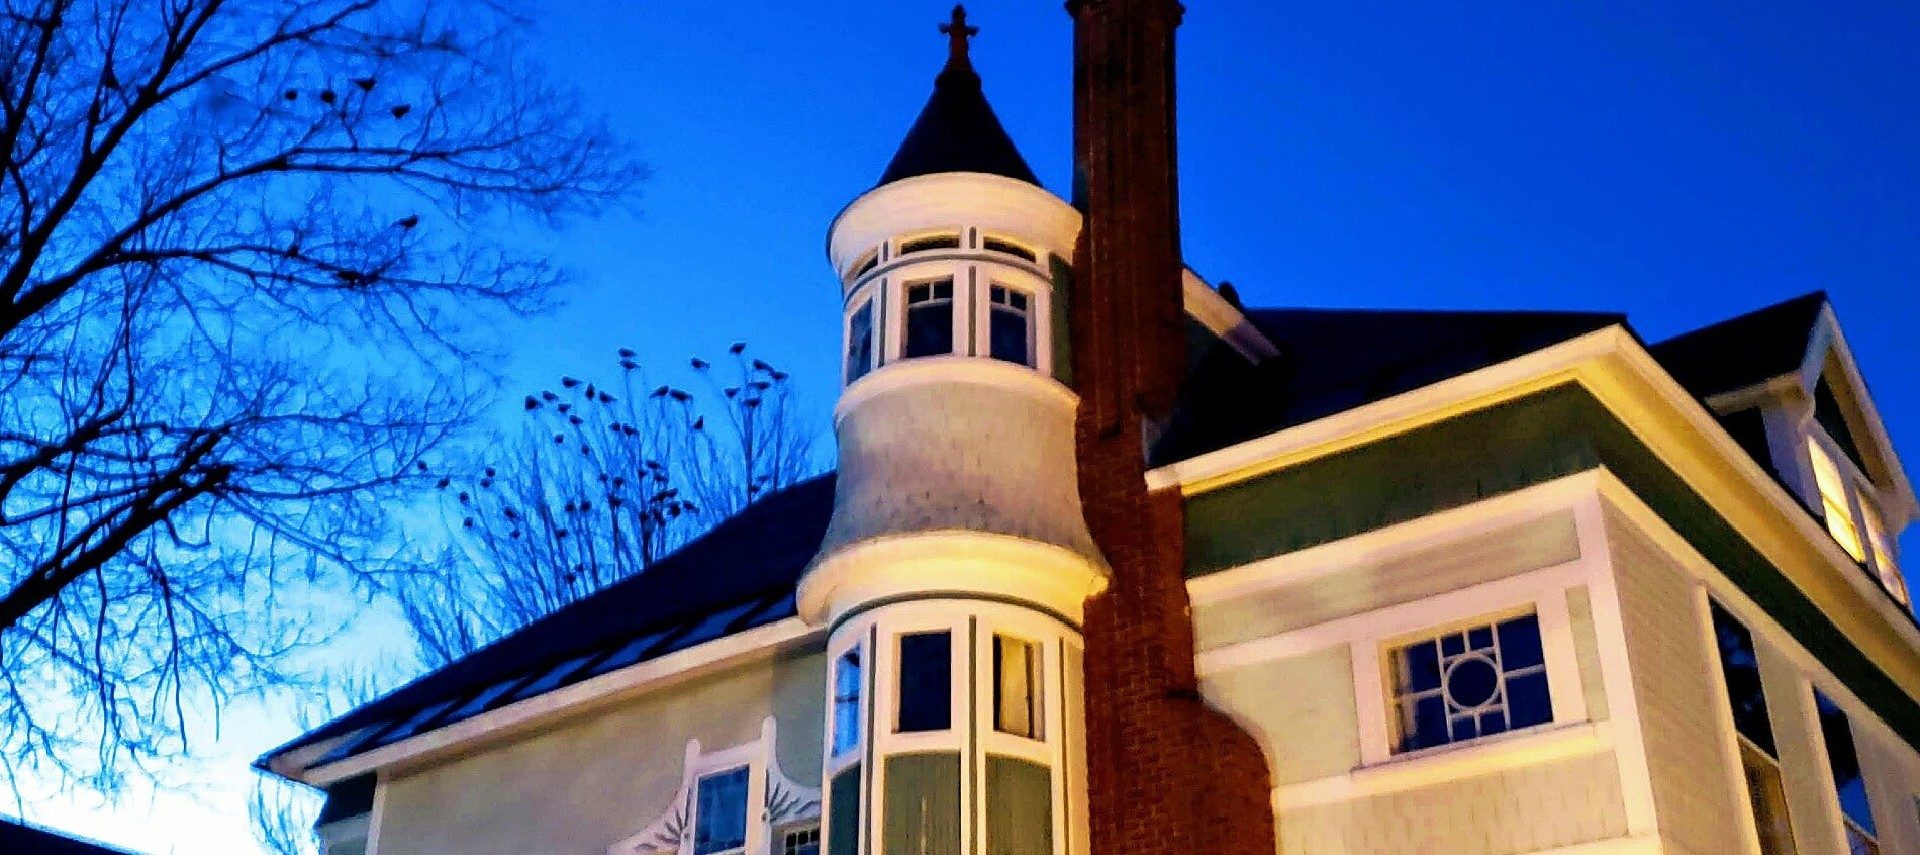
(954, 570)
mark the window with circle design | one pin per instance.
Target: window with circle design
(1470, 683)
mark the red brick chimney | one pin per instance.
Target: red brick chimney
(1166, 773)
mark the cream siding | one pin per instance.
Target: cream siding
(1586, 651)
(1300, 710)
(580, 785)
(1682, 710)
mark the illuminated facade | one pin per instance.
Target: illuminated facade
(1460, 582)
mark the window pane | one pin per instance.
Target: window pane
(846, 702)
(860, 341)
(1844, 760)
(1768, 795)
(926, 682)
(720, 824)
(803, 842)
(929, 319)
(1742, 669)
(1478, 682)
(1010, 326)
(951, 241)
(844, 820)
(1007, 247)
(1016, 684)
(1833, 501)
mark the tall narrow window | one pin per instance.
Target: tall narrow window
(926, 682)
(846, 702)
(1468, 684)
(1759, 758)
(1850, 786)
(720, 818)
(929, 318)
(1010, 325)
(1016, 687)
(1834, 504)
(860, 341)
(1881, 546)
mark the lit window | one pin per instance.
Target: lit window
(846, 702)
(720, 819)
(929, 318)
(926, 682)
(1007, 247)
(804, 841)
(1010, 325)
(1882, 548)
(1850, 786)
(1477, 682)
(1833, 501)
(1016, 687)
(860, 341)
(1759, 759)
(930, 242)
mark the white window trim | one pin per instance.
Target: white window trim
(835, 764)
(867, 294)
(672, 833)
(1838, 823)
(920, 273)
(1039, 313)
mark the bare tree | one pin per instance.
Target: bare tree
(606, 478)
(244, 245)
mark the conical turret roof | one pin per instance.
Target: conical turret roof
(957, 130)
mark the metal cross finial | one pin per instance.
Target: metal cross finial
(958, 32)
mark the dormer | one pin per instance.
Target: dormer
(1783, 381)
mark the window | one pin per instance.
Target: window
(1847, 504)
(1472, 683)
(720, 818)
(1007, 247)
(930, 242)
(929, 318)
(1016, 687)
(1850, 786)
(801, 841)
(1834, 502)
(1010, 325)
(871, 261)
(846, 703)
(860, 341)
(1759, 758)
(926, 682)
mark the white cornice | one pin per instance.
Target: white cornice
(1618, 371)
(1223, 318)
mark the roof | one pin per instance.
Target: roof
(957, 131)
(1743, 351)
(1337, 359)
(19, 837)
(740, 575)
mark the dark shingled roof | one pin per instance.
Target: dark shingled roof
(957, 132)
(738, 576)
(1740, 352)
(29, 840)
(1337, 359)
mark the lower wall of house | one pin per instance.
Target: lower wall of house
(585, 783)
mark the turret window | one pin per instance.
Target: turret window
(1010, 325)
(846, 703)
(1016, 687)
(926, 682)
(866, 264)
(860, 341)
(930, 242)
(929, 322)
(1007, 247)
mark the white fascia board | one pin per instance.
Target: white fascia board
(1617, 370)
(1223, 319)
(1827, 336)
(753, 645)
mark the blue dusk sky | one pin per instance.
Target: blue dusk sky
(1678, 161)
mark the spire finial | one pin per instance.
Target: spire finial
(958, 32)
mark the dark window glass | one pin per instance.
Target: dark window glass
(1742, 669)
(929, 318)
(843, 795)
(926, 682)
(846, 702)
(930, 242)
(1850, 785)
(803, 842)
(860, 341)
(872, 261)
(1464, 685)
(720, 822)
(1007, 247)
(1010, 325)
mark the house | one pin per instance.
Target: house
(1113, 563)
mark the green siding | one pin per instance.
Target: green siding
(843, 829)
(1489, 452)
(1019, 808)
(923, 804)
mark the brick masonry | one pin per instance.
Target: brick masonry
(1166, 773)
